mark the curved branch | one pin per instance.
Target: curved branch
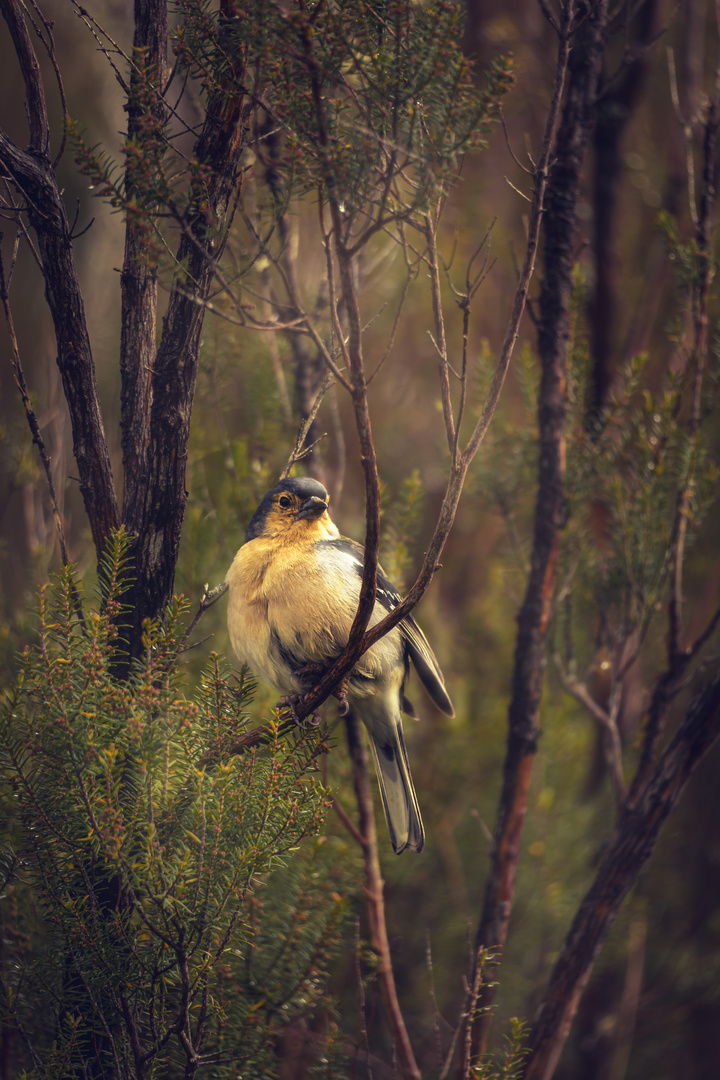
(635, 837)
(12, 12)
(33, 175)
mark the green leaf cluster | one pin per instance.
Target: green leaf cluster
(180, 922)
(375, 104)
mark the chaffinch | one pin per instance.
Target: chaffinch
(293, 593)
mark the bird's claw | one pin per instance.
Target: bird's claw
(310, 670)
(340, 692)
(292, 702)
(314, 670)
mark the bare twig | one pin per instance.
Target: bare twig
(209, 597)
(608, 722)
(348, 823)
(300, 450)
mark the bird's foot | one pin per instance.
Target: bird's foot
(315, 670)
(293, 702)
(340, 692)
(311, 670)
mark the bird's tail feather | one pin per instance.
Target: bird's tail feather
(399, 800)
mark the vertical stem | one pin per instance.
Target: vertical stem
(30, 413)
(533, 618)
(679, 655)
(375, 901)
(441, 343)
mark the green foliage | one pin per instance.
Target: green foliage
(626, 472)
(627, 477)
(690, 262)
(180, 921)
(149, 181)
(373, 105)
(376, 102)
(507, 1064)
(399, 524)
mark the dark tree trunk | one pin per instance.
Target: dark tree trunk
(155, 516)
(158, 382)
(139, 279)
(34, 175)
(617, 102)
(559, 225)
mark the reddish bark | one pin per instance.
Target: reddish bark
(529, 664)
(375, 902)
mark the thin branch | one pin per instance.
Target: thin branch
(517, 190)
(348, 823)
(375, 902)
(35, 431)
(209, 597)
(298, 452)
(706, 634)
(396, 321)
(98, 32)
(32, 78)
(608, 722)
(519, 164)
(439, 341)
(50, 50)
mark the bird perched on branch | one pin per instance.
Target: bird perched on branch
(293, 593)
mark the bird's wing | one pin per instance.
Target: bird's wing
(417, 644)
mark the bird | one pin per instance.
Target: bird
(293, 589)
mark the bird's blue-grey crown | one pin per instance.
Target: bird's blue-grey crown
(303, 487)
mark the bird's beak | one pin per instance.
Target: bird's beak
(313, 507)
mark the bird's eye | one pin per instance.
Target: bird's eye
(285, 502)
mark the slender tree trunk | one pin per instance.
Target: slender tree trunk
(529, 665)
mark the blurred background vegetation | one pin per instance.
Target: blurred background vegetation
(628, 301)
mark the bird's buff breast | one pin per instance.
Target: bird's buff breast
(278, 606)
(284, 599)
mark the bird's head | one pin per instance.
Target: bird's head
(296, 508)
